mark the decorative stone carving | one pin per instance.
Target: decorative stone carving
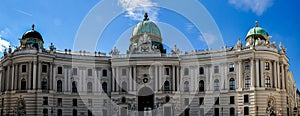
(114, 51)
(20, 108)
(175, 50)
(238, 44)
(270, 110)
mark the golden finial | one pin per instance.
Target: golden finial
(256, 23)
(32, 26)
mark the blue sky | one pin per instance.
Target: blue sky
(59, 22)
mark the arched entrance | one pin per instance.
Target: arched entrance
(145, 100)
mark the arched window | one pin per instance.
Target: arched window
(268, 83)
(217, 85)
(231, 111)
(247, 82)
(44, 84)
(186, 86)
(231, 84)
(23, 84)
(124, 86)
(89, 87)
(201, 86)
(104, 87)
(59, 86)
(201, 70)
(74, 87)
(167, 86)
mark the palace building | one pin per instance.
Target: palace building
(246, 79)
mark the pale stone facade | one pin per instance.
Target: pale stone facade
(242, 80)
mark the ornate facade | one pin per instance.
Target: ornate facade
(250, 79)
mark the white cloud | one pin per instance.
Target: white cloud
(256, 6)
(210, 39)
(135, 9)
(3, 43)
(23, 12)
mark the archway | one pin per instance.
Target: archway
(145, 100)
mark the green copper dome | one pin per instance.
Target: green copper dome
(146, 26)
(257, 31)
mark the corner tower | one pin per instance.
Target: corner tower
(32, 39)
(146, 38)
(257, 36)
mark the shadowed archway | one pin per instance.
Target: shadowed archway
(145, 100)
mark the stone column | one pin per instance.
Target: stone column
(54, 82)
(69, 81)
(252, 73)
(12, 77)
(240, 75)
(178, 77)
(192, 79)
(211, 82)
(278, 75)
(274, 74)
(17, 78)
(257, 72)
(118, 79)
(50, 78)
(225, 70)
(262, 78)
(8, 78)
(134, 78)
(34, 74)
(282, 76)
(39, 75)
(156, 78)
(162, 80)
(206, 83)
(173, 78)
(130, 78)
(113, 79)
(236, 66)
(283, 67)
(65, 79)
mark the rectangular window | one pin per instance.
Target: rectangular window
(247, 65)
(90, 102)
(59, 101)
(104, 73)
(74, 112)
(267, 66)
(124, 73)
(246, 98)
(231, 67)
(74, 71)
(246, 110)
(201, 100)
(59, 70)
(231, 99)
(186, 101)
(186, 71)
(216, 69)
(287, 100)
(201, 70)
(167, 71)
(217, 112)
(90, 72)
(45, 100)
(74, 102)
(45, 112)
(91, 114)
(217, 101)
(23, 68)
(59, 112)
(44, 68)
